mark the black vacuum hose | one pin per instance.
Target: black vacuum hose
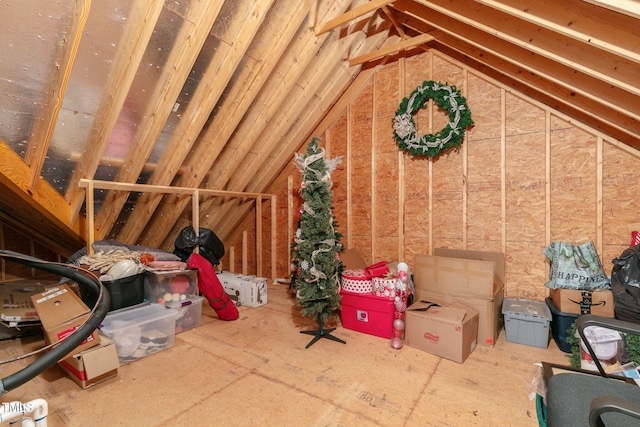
(58, 352)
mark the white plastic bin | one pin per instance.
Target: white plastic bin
(140, 331)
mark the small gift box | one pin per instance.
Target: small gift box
(356, 281)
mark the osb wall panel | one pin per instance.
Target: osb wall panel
(573, 186)
(416, 174)
(525, 204)
(483, 148)
(360, 223)
(336, 141)
(524, 177)
(386, 165)
(620, 201)
(447, 178)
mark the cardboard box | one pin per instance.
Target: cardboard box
(367, 313)
(17, 306)
(250, 291)
(460, 272)
(351, 260)
(473, 278)
(584, 302)
(94, 365)
(62, 312)
(446, 331)
(490, 320)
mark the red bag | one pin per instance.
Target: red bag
(212, 289)
(378, 269)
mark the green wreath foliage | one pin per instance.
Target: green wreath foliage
(446, 97)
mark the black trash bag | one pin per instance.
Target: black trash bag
(210, 246)
(625, 284)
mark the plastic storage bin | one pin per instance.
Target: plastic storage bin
(189, 313)
(527, 322)
(170, 286)
(124, 292)
(560, 324)
(140, 331)
(367, 313)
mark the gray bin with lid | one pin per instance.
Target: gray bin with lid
(526, 322)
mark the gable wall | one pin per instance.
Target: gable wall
(524, 177)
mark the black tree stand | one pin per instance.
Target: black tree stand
(322, 333)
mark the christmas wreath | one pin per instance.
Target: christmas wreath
(446, 97)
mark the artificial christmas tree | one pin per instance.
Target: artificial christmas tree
(316, 263)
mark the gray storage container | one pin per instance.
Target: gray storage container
(526, 322)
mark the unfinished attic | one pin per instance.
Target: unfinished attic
(448, 134)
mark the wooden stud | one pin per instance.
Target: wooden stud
(258, 209)
(274, 247)
(599, 191)
(465, 173)
(402, 83)
(503, 170)
(245, 252)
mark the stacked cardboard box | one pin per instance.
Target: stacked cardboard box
(94, 365)
(61, 313)
(575, 301)
(472, 278)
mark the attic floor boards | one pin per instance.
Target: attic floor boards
(256, 371)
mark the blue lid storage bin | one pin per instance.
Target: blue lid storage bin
(526, 322)
(561, 322)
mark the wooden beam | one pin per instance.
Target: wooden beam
(235, 114)
(533, 70)
(45, 124)
(43, 208)
(394, 21)
(188, 43)
(387, 50)
(194, 115)
(626, 7)
(140, 25)
(590, 25)
(538, 42)
(351, 15)
(245, 145)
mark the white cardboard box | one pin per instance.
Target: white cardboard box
(94, 365)
(250, 291)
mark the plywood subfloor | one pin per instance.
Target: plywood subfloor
(256, 371)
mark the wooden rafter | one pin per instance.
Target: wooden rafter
(388, 50)
(183, 55)
(195, 115)
(583, 57)
(142, 21)
(44, 126)
(357, 12)
(237, 128)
